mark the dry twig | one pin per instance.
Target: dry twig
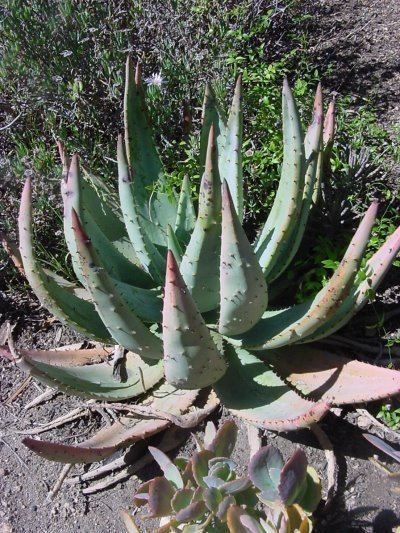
(63, 474)
(332, 466)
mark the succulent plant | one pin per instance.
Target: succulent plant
(205, 493)
(184, 297)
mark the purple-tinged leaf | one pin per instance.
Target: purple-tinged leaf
(192, 512)
(224, 506)
(323, 375)
(293, 477)
(161, 493)
(224, 441)
(142, 495)
(126, 431)
(329, 124)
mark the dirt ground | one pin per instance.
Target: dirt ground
(362, 39)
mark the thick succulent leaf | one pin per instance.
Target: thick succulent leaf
(219, 462)
(223, 443)
(235, 485)
(244, 294)
(230, 160)
(329, 125)
(286, 209)
(300, 321)
(323, 375)
(193, 528)
(251, 524)
(80, 197)
(191, 358)
(312, 147)
(209, 433)
(78, 372)
(361, 292)
(324, 166)
(330, 297)
(212, 498)
(128, 521)
(224, 506)
(181, 499)
(171, 472)
(193, 511)
(144, 302)
(198, 494)
(185, 215)
(312, 493)
(59, 300)
(264, 399)
(160, 495)
(383, 446)
(265, 470)
(153, 207)
(314, 133)
(213, 481)
(213, 115)
(142, 495)
(127, 430)
(200, 466)
(173, 245)
(293, 477)
(296, 520)
(150, 257)
(116, 311)
(234, 516)
(199, 265)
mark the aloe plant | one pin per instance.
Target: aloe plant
(205, 493)
(186, 295)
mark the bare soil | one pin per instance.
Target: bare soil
(362, 39)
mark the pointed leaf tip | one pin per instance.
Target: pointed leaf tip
(138, 74)
(211, 149)
(191, 358)
(293, 477)
(78, 228)
(244, 295)
(170, 470)
(329, 124)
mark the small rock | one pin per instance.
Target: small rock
(363, 421)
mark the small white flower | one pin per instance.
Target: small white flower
(156, 79)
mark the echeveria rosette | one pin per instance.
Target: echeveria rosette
(186, 294)
(205, 492)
